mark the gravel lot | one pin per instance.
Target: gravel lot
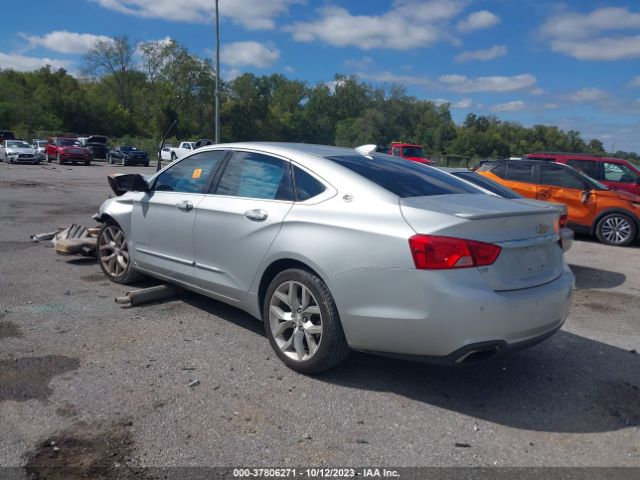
(110, 385)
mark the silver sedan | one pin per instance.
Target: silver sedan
(337, 250)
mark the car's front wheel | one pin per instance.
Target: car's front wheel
(113, 255)
(302, 322)
(616, 229)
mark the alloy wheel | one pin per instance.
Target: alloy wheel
(114, 254)
(295, 321)
(616, 230)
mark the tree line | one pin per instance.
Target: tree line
(138, 90)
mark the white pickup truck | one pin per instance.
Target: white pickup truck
(182, 149)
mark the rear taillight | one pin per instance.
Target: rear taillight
(563, 221)
(432, 252)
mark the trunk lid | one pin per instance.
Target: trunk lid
(527, 233)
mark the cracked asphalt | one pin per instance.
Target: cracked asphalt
(86, 383)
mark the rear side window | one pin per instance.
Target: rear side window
(255, 175)
(306, 186)
(403, 178)
(589, 168)
(519, 172)
(560, 177)
(191, 175)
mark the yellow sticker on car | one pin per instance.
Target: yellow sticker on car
(197, 173)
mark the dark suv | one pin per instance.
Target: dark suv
(6, 135)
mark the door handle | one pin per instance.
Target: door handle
(257, 215)
(185, 205)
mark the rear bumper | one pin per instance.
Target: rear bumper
(412, 313)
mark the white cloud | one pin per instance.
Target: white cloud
(231, 74)
(251, 14)
(359, 63)
(248, 54)
(610, 33)
(537, 91)
(9, 61)
(478, 21)
(388, 77)
(461, 83)
(515, 106)
(409, 24)
(588, 95)
(635, 82)
(550, 106)
(482, 55)
(65, 42)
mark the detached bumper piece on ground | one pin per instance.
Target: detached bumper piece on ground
(71, 240)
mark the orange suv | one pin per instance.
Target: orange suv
(612, 215)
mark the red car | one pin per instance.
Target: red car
(410, 151)
(67, 149)
(616, 173)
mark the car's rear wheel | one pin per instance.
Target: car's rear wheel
(302, 322)
(173, 156)
(113, 255)
(87, 163)
(616, 229)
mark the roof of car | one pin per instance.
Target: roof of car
(281, 147)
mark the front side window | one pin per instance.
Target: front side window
(559, 177)
(402, 178)
(255, 175)
(589, 168)
(617, 172)
(191, 175)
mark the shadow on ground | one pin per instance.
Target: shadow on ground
(568, 383)
(588, 277)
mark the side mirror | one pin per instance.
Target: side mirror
(585, 196)
(121, 183)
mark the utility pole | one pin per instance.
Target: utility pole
(217, 121)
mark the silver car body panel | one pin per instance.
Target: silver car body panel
(355, 237)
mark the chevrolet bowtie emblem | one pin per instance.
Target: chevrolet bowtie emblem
(542, 228)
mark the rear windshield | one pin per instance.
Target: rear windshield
(403, 177)
(487, 184)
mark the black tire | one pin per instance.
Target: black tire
(173, 156)
(333, 347)
(146, 164)
(87, 163)
(616, 229)
(49, 159)
(128, 275)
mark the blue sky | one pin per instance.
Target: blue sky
(575, 64)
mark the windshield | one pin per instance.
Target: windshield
(41, 143)
(413, 152)
(68, 142)
(127, 149)
(17, 144)
(591, 181)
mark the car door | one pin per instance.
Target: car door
(238, 222)
(559, 184)
(163, 220)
